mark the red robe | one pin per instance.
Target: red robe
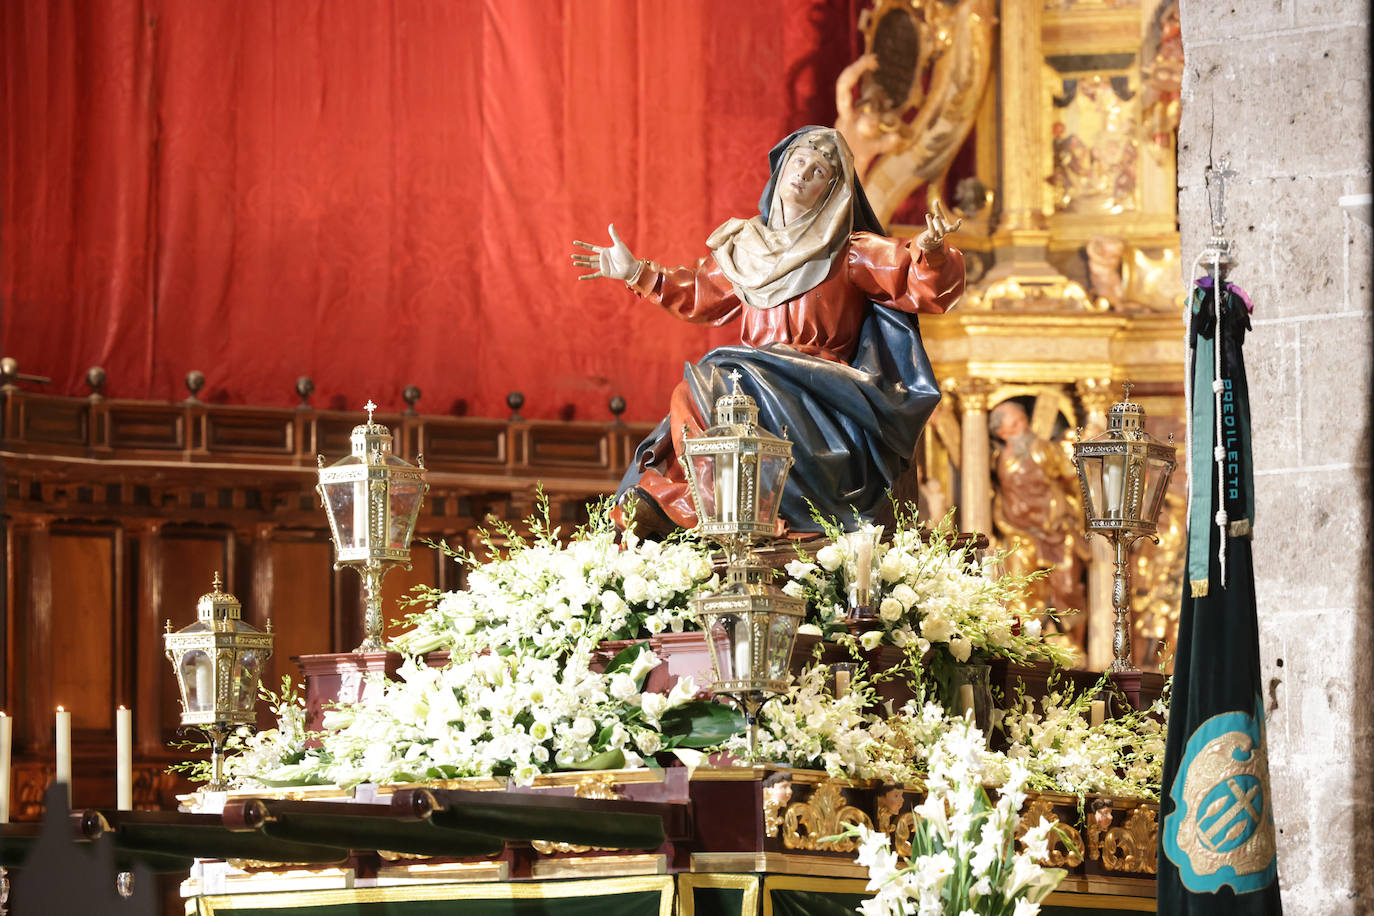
(823, 322)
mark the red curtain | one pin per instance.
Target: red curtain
(378, 193)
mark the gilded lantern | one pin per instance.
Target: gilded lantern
(1124, 473)
(372, 498)
(737, 471)
(218, 661)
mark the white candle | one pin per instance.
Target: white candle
(1098, 713)
(64, 751)
(841, 682)
(965, 701)
(863, 575)
(726, 491)
(5, 726)
(1114, 484)
(205, 694)
(124, 759)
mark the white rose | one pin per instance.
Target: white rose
(648, 742)
(960, 648)
(829, 557)
(612, 603)
(622, 687)
(890, 609)
(636, 588)
(905, 594)
(936, 628)
(891, 567)
(808, 629)
(1032, 629)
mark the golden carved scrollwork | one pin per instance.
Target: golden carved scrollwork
(920, 85)
(599, 785)
(1132, 847)
(1065, 842)
(775, 799)
(825, 814)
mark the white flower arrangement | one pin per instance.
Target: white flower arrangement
(1062, 752)
(518, 696)
(545, 593)
(932, 598)
(964, 859)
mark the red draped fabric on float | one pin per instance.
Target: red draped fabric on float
(378, 193)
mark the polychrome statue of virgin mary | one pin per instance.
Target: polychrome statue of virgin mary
(829, 346)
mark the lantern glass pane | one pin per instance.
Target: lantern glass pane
(1157, 483)
(703, 468)
(198, 676)
(405, 507)
(772, 475)
(247, 674)
(731, 647)
(339, 501)
(1092, 475)
(781, 632)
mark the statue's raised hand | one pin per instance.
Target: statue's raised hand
(614, 260)
(937, 227)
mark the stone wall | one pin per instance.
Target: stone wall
(1282, 89)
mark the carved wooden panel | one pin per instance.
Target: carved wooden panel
(566, 445)
(57, 422)
(147, 427)
(301, 606)
(81, 665)
(473, 442)
(249, 431)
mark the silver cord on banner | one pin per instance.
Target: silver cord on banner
(1219, 256)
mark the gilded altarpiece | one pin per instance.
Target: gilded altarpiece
(1063, 173)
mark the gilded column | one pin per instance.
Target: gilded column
(1022, 145)
(1095, 394)
(975, 472)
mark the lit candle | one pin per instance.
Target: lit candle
(5, 725)
(1098, 714)
(64, 751)
(124, 759)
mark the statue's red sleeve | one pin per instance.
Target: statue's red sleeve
(699, 294)
(900, 274)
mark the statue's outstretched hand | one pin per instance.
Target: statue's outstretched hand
(614, 260)
(937, 227)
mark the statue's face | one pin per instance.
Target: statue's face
(805, 178)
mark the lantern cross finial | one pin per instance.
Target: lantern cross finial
(734, 377)
(217, 582)
(1126, 390)
(369, 407)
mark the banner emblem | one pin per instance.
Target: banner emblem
(1221, 831)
